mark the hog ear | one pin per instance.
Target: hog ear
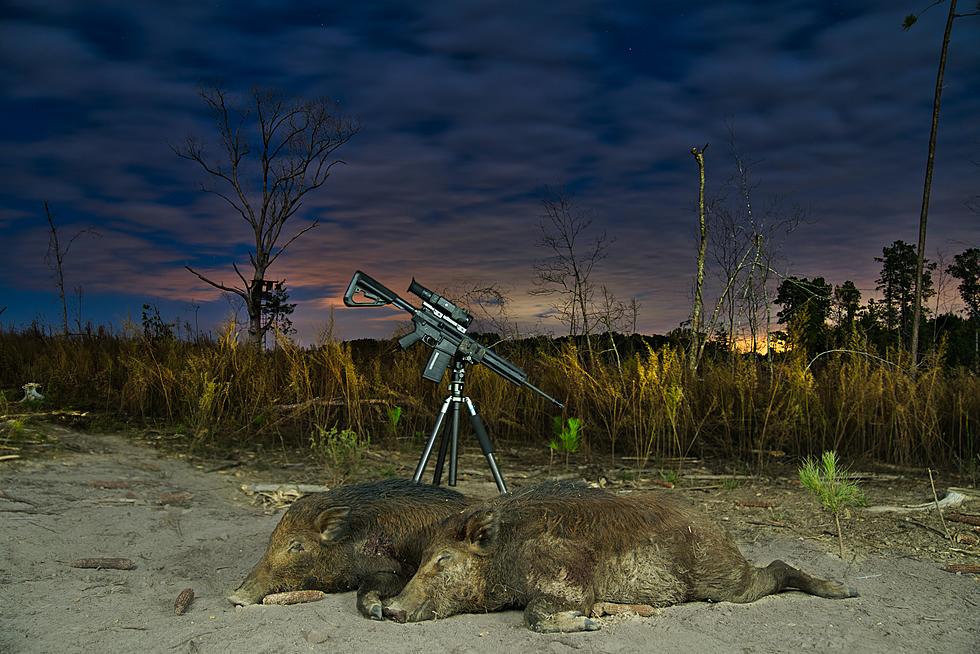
(332, 523)
(481, 529)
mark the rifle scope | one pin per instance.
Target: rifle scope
(454, 312)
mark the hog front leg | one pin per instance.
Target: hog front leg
(375, 588)
(549, 614)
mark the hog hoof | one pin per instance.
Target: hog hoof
(565, 622)
(840, 591)
(370, 606)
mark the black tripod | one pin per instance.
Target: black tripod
(451, 440)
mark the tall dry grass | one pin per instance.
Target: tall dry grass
(644, 404)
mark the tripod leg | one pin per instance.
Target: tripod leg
(485, 445)
(454, 446)
(441, 459)
(427, 452)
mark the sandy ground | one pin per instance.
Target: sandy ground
(186, 527)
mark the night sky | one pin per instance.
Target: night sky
(469, 111)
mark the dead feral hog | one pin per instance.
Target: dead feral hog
(558, 548)
(368, 537)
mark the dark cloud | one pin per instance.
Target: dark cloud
(470, 110)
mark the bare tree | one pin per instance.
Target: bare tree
(566, 274)
(55, 259)
(763, 229)
(273, 153)
(488, 303)
(930, 161)
(695, 347)
(729, 245)
(743, 243)
(615, 316)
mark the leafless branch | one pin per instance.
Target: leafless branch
(217, 285)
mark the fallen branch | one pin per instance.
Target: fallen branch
(874, 476)
(755, 504)
(969, 568)
(104, 564)
(938, 508)
(719, 477)
(4, 495)
(40, 414)
(965, 518)
(251, 489)
(319, 401)
(224, 466)
(769, 523)
(962, 551)
(924, 526)
(952, 499)
(9, 457)
(280, 495)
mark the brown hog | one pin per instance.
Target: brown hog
(558, 548)
(368, 537)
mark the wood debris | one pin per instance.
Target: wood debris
(183, 601)
(967, 568)
(756, 504)
(952, 499)
(104, 563)
(280, 495)
(965, 518)
(294, 597)
(967, 539)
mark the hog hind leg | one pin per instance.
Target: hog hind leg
(374, 589)
(549, 614)
(779, 576)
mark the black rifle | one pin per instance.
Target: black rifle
(441, 325)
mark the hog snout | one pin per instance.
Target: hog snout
(239, 598)
(400, 613)
(248, 592)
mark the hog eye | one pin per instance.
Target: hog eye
(295, 546)
(443, 558)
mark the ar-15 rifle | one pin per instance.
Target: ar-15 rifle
(441, 325)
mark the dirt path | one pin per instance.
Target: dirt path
(185, 527)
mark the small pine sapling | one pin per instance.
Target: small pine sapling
(833, 487)
(394, 417)
(568, 437)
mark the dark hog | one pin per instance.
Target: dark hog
(558, 548)
(369, 537)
